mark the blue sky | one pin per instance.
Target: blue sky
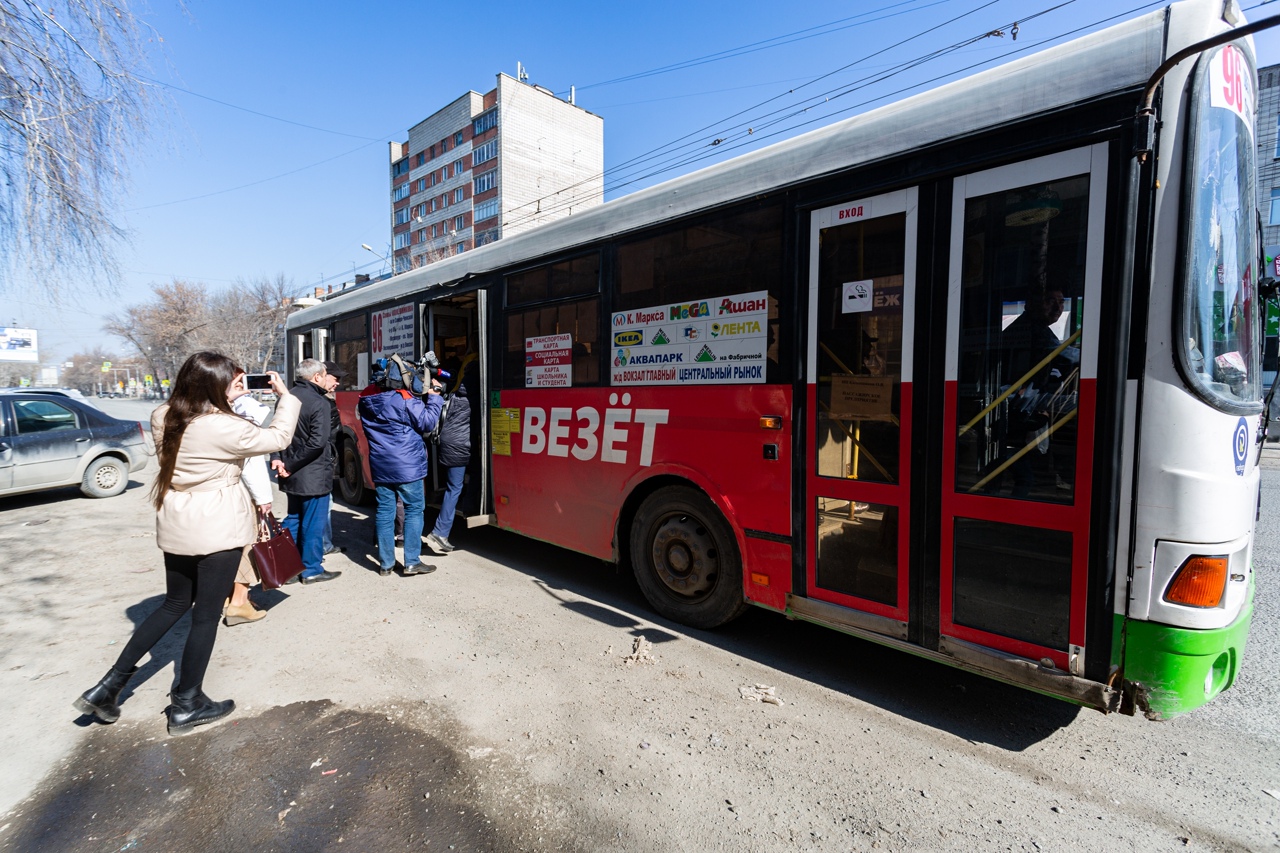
(220, 193)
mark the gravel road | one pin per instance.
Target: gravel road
(525, 698)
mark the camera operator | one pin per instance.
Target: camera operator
(395, 419)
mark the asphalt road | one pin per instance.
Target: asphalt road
(526, 698)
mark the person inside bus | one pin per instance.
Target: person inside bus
(1025, 344)
(396, 417)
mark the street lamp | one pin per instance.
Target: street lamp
(369, 248)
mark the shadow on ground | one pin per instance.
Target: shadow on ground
(299, 777)
(968, 706)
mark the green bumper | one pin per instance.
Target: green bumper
(1172, 670)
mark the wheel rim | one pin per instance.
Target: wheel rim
(685, 556)
(107, 477)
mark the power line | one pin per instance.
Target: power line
(213, 100)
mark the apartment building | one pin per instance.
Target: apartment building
(490, 165)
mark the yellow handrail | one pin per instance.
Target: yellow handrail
(1023, 452)
(1025, 378)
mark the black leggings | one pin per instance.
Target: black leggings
(205, 580)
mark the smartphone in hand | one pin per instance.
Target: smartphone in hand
(257, 381)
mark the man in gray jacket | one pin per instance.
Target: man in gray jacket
(305, 469)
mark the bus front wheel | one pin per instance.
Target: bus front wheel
(685, 558)
(351, 482)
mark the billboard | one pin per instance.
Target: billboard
(18, 344)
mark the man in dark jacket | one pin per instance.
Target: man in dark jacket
(453, 451)
(395, 419)
(305, 470)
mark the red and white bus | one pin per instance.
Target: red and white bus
(962, 375)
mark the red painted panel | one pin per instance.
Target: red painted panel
(581, 451)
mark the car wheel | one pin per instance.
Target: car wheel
(105, 478)
(685, 558)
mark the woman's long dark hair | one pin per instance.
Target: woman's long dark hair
(201, 387)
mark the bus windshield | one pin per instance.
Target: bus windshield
(1220, 346)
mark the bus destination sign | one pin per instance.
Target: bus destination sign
(719, 341)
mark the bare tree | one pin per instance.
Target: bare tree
(70, 110)
(85, 372)
(167, 329)
(245, 322)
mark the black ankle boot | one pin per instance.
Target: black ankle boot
(192, 708)
(102, 700)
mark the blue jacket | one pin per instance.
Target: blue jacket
(394, 424)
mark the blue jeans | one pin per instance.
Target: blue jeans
(305, 523)
(328, 530)
(385, 520)
(452, 489)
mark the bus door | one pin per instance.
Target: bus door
(1022, 303)
(861, 305)
(454, 330)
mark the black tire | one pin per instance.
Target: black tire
(686, 559)
(351, 483)
(105, 477)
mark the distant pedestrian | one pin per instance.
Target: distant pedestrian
(305, 469)
(395, 419)
(453, 452)
(204, 518)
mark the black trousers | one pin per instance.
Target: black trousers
(200, 584)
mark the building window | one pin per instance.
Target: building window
(399, 192)
(403, 263)
(457, 139)
(444, 146)
(431, 153)
(1275, 208)
(402, 239)
(433, 205)
(399, 167)
(485, 122)
(460, 248)
(485, 182)
(487, 209)
(422, 235)
(459, 166)
(422, 158)
(484, 153)
(432, 179)
(459, 222)
(422, 185)
(402, 216)
(433, 231)
(459, 194)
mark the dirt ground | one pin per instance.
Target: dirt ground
(525, 698)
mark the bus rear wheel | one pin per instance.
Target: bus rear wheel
(686, 559)
(351, 483)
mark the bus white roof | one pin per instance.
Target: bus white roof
(1109, 60)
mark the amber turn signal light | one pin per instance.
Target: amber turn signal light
(771, 422)
(1199, 582)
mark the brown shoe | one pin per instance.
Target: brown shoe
(233, 615)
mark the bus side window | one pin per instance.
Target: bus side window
(569, 293)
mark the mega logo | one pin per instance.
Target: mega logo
(631, 338)
(693, 309)
(728, 306)
(607, 439)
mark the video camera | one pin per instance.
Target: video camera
(430, 367)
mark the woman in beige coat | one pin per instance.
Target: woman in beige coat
(204, 519)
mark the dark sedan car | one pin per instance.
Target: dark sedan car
(48, 441)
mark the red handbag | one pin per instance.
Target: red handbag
(275, 556)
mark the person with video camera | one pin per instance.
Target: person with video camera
(396, 412)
